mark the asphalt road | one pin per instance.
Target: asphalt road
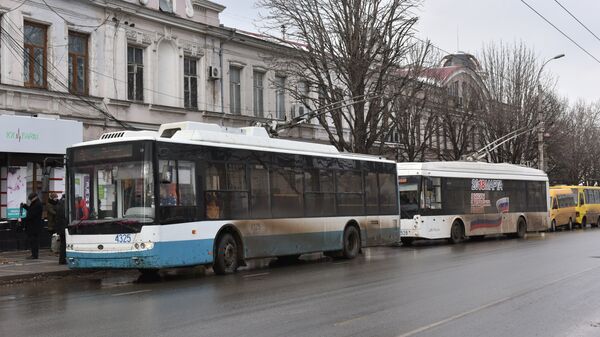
(541, 286)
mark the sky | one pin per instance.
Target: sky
(467, 25)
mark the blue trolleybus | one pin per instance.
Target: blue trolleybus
(201, 194)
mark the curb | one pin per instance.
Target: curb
(41, 276)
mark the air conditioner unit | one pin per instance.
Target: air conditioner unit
(214, 72)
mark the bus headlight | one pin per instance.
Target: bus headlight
(143, 245)
(137, 245)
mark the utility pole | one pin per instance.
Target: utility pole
(541, 126)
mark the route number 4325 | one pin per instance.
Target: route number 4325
(123, 238)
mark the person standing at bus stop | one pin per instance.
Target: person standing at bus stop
(61, 225)
(33, 223)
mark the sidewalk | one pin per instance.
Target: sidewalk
(14, 267)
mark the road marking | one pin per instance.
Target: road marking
(342, 323)
(132, 292)
(8, 298)
(255, 275)
(491, 304)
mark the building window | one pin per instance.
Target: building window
(280, 97)
(34, 65)
(78, 63)
(135, 73)
(190, 83)
(259, 78)
(235, 94)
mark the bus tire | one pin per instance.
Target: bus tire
(583, 223)
(226, 255)
(553, 226)
(407, 241)
(351, 244)
(521, 228)
(570, 225)
(597, 222)
(457, 232)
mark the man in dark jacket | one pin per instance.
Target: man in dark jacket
(33, 223)
(61, 225)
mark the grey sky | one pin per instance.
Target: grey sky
(476, 22)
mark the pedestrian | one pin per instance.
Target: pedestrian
(81, 209)
(33, 223)
(51, 212)
(61, 226)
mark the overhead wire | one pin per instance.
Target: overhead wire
(576, 19)
(560, 31)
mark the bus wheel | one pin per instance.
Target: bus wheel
(583, 223)
(407, 241)
(457, 232)
(570, 225)
(521, 228)
(351, 246)
(597, 222)
(553, 226)
(226, 257)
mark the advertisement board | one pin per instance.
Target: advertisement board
(16, 191)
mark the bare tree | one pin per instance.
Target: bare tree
(357, 55)
(460, 119)
(574, 146)
(512, 80)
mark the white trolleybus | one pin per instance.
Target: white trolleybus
(457, 200)
(200, 194)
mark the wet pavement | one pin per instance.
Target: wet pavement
(15, 267)
(546, 285)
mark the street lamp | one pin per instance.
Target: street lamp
(541, 128)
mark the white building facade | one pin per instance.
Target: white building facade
(110, 65)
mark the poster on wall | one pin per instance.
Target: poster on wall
(16, 191)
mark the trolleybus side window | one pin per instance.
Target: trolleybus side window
(286, 192)
(349, 192)
(260, 203)
(226, 194)
(177, 190)
(372, 193)
(387, 194)
(432, 187)
(319, 196)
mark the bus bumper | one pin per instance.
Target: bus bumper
(161, 255)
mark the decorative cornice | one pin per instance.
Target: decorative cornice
(208, 4)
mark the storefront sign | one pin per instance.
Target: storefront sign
(38, 135)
